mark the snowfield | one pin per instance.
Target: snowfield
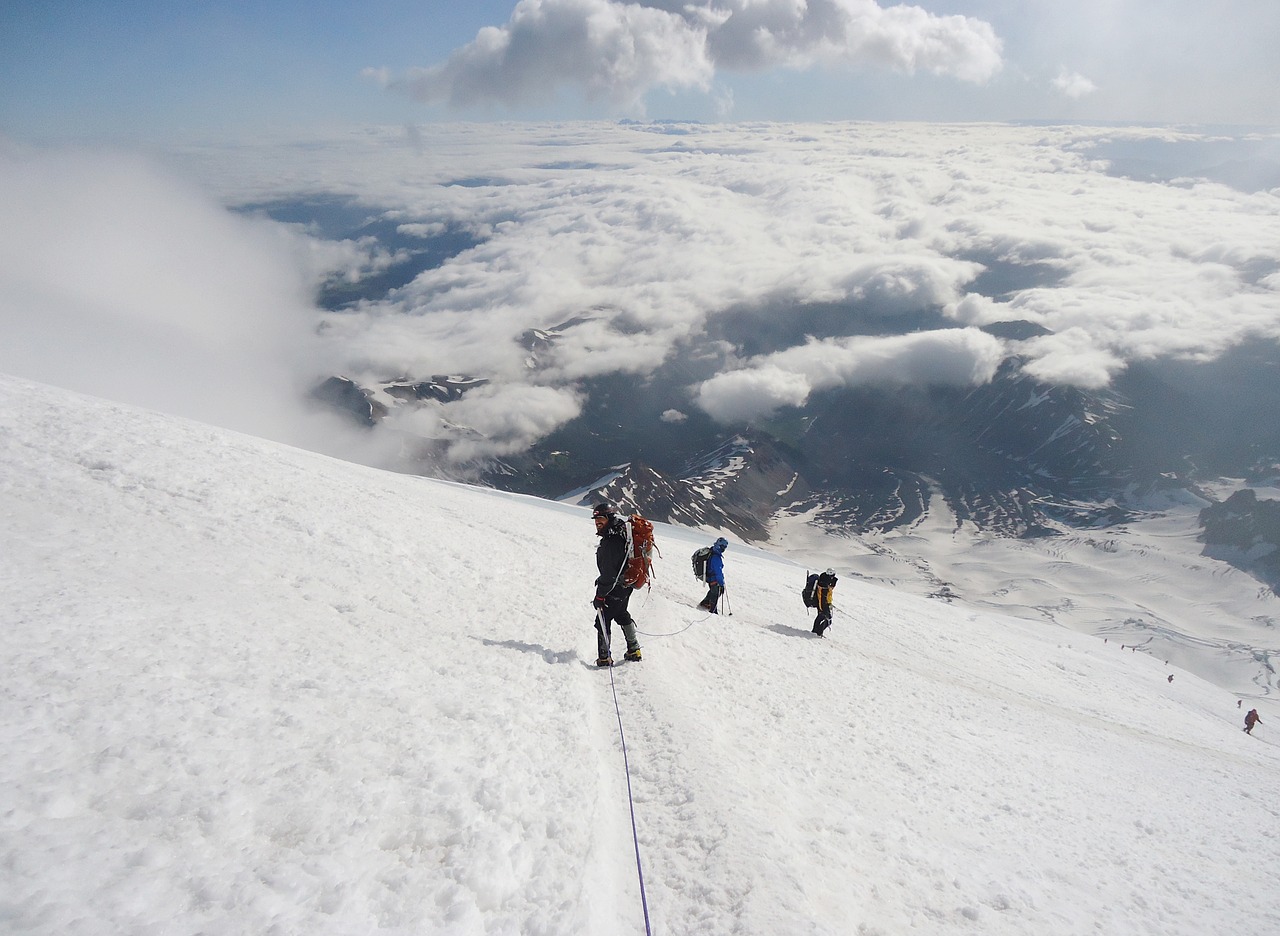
(251, 689)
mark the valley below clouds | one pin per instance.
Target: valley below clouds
(644, 243)
(647, 238)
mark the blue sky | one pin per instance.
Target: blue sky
(150, 69)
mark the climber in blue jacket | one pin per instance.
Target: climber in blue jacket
(715, 576)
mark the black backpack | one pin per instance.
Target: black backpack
(810, 592)
(700, 558)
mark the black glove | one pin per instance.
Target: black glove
(599, 601)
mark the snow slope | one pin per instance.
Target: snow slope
(251, 689)
(1145, 583)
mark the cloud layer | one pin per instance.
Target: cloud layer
(653, 239)
(744, 267)
(618, 52)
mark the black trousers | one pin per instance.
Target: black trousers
(822, 621)
(713, 596)
(615, 611)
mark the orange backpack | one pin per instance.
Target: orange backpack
(640, 550)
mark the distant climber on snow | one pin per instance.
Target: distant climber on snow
(1250, 720)
(612, 591)
(819, 592)
(714, 575)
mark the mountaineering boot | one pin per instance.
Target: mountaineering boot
(633, 654)
(604, 661)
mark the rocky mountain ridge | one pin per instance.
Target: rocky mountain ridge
(1245, 531)
(1014, 457)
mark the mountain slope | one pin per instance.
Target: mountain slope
(253, 689)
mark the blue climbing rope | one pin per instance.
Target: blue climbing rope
(644, 900)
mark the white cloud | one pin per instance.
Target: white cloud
(756, 35)
(978, 310)
(948, 356)
(1072, 357)
(617, 52)
(746, 394)
(1073, 85)
(509, 418)
(593, 349)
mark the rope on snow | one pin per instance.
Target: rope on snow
(631, 803)
(673, 633)
(700, 620)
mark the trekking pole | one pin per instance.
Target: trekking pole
(725, 596)
(601, 628)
